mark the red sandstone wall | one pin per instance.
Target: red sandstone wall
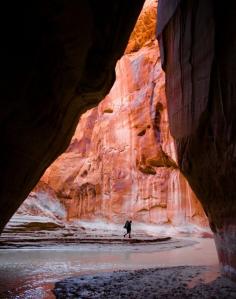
(121, 162)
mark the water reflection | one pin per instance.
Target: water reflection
(31, 273)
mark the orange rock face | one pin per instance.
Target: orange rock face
(121, 162)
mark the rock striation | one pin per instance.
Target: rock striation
(198, 46)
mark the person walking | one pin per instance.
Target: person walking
(128, 228)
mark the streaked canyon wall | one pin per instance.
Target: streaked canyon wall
(198, 42)
(121, 162)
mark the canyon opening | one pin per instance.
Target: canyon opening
(114, 111)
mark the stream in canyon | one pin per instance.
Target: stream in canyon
(32, 272)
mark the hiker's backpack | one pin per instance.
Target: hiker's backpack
(126, 224)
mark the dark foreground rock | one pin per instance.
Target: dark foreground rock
(175, 282)
(63, 64)
(200, 90)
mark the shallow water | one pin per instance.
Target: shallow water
(31, 273)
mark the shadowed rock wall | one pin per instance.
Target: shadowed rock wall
(198, 47)
(57, 60)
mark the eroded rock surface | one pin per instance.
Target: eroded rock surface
(198, 43)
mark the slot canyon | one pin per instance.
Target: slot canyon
(116, 110)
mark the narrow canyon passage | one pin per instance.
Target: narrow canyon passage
(112, 123)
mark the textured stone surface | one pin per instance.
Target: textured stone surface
(121, 162)
(57, 60)
(198, 42)
(145, 28)
(166, 283)
(43, 201)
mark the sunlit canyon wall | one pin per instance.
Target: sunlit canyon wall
(121, 162)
